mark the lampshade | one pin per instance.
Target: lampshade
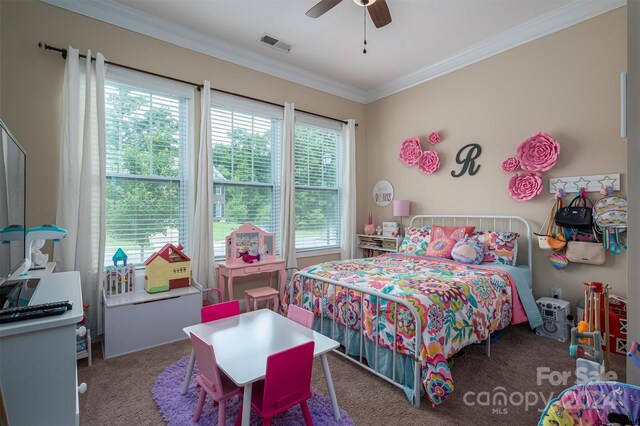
(401, 208)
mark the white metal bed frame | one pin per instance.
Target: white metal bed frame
(444, 220)
(479, 221)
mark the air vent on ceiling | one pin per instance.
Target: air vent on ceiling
(276, 43)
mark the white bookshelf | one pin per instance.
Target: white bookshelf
(85, 333)
(375, 245)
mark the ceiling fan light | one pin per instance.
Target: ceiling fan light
(363, 3)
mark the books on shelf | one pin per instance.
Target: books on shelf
(373, 245)
(389, 245)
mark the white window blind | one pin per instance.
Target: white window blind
(246, 138)
(146, 168)
(317, 181)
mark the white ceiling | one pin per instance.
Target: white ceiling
(426, 38)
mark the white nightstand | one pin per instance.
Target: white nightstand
(375, 245)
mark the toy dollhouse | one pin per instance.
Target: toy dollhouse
(249, 244)
(166, 269)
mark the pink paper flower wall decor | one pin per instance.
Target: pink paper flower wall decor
(539, 153)
(410, 151)
(429, 162)
(434, 138)
(510, 164)
(524, 186)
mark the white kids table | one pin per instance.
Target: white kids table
(243, 343)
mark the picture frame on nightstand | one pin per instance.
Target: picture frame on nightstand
(389, 229)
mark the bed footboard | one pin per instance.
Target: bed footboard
(380, 298)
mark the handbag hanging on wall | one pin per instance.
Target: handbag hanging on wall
(584, 252)
(577, 215)
(554, 238)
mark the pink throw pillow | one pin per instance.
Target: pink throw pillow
(454, 232)
(441, 248)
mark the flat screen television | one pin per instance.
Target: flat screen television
(13, 187)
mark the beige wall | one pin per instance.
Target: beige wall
(32, 83)
(566, 84)
(633, 155)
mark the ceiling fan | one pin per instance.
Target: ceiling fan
(378, 10)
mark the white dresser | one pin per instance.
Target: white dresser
(38, 358)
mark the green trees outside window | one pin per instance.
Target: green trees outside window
(145, 188)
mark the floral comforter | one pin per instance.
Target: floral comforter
(457, 304)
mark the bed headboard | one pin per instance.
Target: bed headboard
(486, 223)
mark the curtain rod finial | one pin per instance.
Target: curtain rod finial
(42, 46)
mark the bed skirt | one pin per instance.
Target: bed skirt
(404, 364)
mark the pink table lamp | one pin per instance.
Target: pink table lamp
(401, 208)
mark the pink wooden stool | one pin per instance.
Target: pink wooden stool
(259, 294)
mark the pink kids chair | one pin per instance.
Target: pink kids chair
(211, 380)
(300, 315)
(287, 383)
(207, 314)
(220, 311)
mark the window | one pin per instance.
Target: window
(218, 210)
(148, 129)
(246, 138)
(318, 148)
(246, 142)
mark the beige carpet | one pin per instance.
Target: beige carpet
(119, 389)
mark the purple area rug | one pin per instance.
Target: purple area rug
(177, 409)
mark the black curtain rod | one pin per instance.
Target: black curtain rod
(45, 46)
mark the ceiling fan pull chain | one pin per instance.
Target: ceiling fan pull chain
(364, 10)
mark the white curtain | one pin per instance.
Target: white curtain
(202, 255)
(348, 191)
(81, 179)
(287, 200)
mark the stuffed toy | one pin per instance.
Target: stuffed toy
(252, 255)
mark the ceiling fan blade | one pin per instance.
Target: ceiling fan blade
(321, 8)
(379, 12)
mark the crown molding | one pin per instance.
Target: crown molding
(559, 19)
(144, 23)
(141, 22)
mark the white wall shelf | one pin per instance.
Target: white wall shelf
(591, 183)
